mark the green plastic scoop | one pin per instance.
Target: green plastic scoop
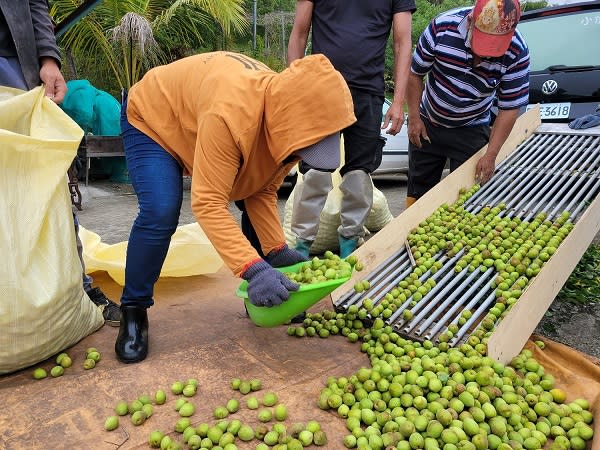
(299, 301)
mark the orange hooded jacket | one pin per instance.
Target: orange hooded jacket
(232, 122)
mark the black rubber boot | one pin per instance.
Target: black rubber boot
(132, 342)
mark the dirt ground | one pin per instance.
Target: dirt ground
(198, 329)
(110, 208)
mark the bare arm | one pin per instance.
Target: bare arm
(47, 51)
(300, 30)
(401, 29)
(413, 95)
(502, 127)
(54, 83)
(416, 127)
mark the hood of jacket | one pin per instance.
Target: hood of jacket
(305, 103)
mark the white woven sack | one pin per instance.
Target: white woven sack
(380, 214)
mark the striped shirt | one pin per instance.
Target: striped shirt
(456, 93)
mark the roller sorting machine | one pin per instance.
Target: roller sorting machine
(543, 170)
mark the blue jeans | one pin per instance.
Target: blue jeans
(156, 177)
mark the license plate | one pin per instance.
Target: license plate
(553, 110)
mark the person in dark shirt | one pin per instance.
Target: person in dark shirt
(353, 34)
(29, 56)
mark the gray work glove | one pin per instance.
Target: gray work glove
(267, 286)
(284, 256)
(588, 121)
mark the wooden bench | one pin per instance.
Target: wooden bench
(99, 147)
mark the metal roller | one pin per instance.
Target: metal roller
(550, 173)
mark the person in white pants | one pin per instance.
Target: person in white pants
(353, 37)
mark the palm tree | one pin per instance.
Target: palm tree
(125, 38)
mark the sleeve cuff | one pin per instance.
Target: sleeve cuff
(248, 265)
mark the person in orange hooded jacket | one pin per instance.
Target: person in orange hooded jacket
(237, 127)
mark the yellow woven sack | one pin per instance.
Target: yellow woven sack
(43, 307)
(190, 253)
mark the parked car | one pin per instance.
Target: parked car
(395, 150)
(565, 59)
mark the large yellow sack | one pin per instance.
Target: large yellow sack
(43, 307)
(190, 253)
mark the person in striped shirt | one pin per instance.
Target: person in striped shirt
(472, 58)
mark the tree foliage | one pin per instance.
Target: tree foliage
(119, 40)
(427, 10)
(529, 5)
(268, 6)
(162, 31)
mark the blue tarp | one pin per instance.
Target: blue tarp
(94, 110)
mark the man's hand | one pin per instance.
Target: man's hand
(417, 131)
(54, 83)
(394, 118)
(485, 168)
(502, 127)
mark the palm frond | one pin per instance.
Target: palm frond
(123, 33)
(134, 39)
(228, 13)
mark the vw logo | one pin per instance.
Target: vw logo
(549, 87)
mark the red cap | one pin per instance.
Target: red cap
(494, 24)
